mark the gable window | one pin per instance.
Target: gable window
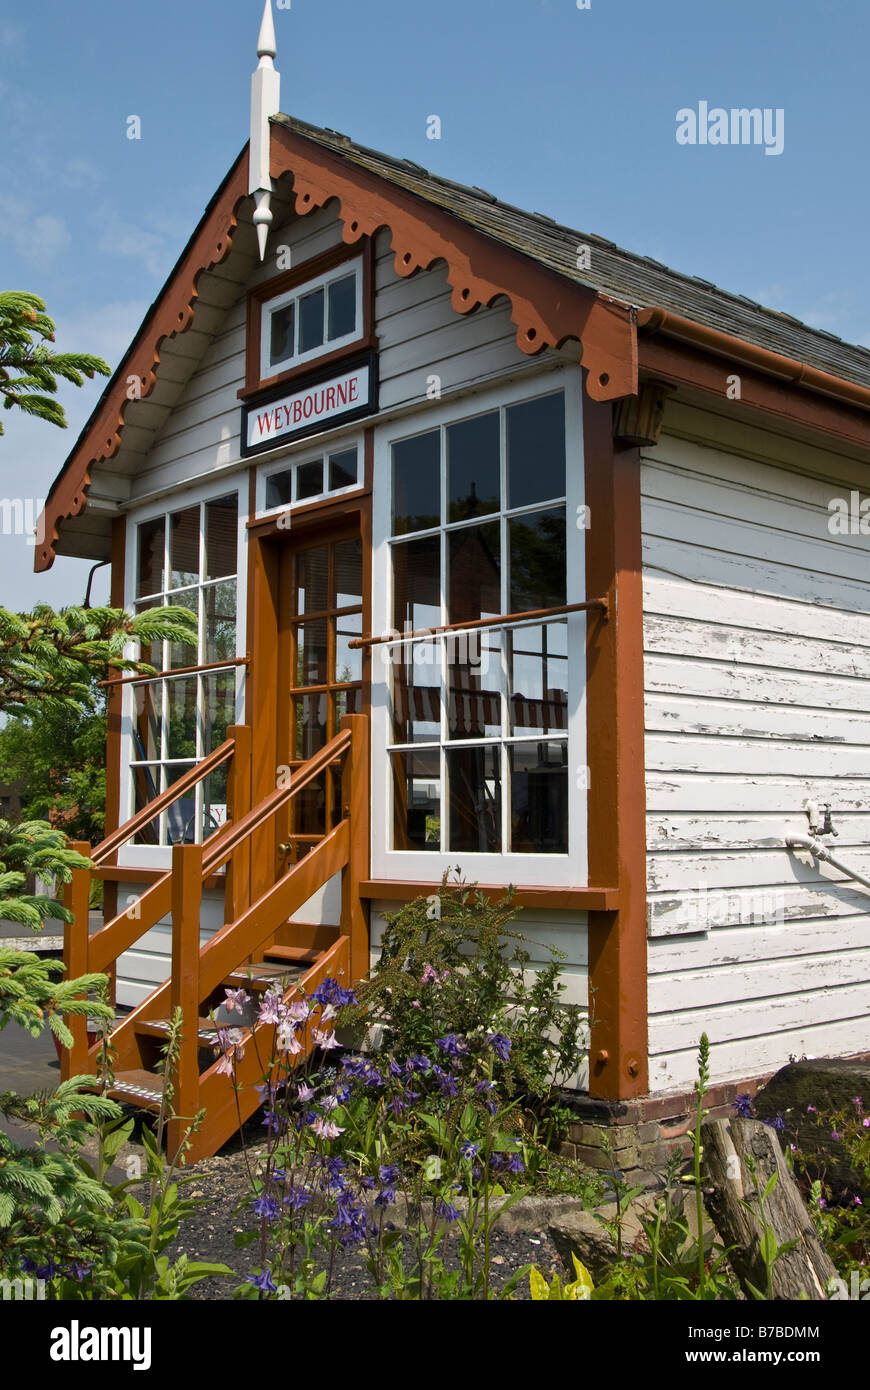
(188, 559)
(317, 312)
(482, 724)
(320, 316)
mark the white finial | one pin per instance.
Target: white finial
(266, 46)
(265, 102)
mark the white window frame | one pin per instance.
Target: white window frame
(160, 856)
(269, 369)
(558, 870)
(309, 452)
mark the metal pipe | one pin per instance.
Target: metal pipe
(821, 851)
(531, 615)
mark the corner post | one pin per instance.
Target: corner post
(356, 804)
(76, 896)
(184, 987)
(237, 895)
(618, 1054)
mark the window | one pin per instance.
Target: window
(312, 319)
(188, 559)
(478, 721)
(310, 479)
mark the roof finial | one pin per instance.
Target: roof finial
(265, 102)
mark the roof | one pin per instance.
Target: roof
(638, 280)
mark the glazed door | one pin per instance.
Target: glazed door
(320, 675)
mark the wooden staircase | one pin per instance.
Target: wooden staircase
(258, 947)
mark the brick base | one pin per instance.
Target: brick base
(644, 1133)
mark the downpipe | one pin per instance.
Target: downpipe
(820, 851)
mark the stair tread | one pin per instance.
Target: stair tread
(160, 1027)
(303, 954)
(141, 1085)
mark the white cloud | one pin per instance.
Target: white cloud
(124, 239)
(37, 239)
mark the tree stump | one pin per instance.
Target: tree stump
(804, 1271)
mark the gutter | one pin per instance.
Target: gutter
(651, 321)
(821, 851)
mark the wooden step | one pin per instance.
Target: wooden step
(143, 1088)
(263, 974)
(293, 955)
(159, 1028)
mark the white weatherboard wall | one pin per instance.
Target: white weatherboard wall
(757, 662)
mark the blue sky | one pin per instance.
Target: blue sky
(564, 111)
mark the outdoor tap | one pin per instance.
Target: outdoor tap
(827, 826)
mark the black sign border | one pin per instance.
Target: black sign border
(369, 359)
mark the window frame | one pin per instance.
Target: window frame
(562, 870)
(291, 285)
(159, 856)
(316, 447)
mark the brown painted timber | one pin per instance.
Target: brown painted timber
(567, 899)
(618, 1067)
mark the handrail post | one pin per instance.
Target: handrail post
(184, 988)
(356, 805)
(76, 897)
(238, 885)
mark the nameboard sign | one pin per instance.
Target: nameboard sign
(320, 403)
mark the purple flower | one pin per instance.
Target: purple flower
(49, 1271)
(483, 1086)
(277, 1175)
(496, 1162)
(297, 1198)
(350, 1220)
(857, 1202)
(28, 1266)
(329, 991)
(446, 1082)
(385, 1197)
(446, 1210)
(835, 1135)
(515, 1164)
(866, 1123)
(417, 1064)
(271, 1007)
(856, 1100)
(79, 1270)
(469, 1150)
(389, 1172)
(452, 1044)
(778, 1123)
(500, 1045)
(263, 1282)
(743, 1105)
(811, 1110)
(236, 1000)
(266, 1207)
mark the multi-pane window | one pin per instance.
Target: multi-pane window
(479, 717)
(315, 318)
(313, 478)
(187, 559)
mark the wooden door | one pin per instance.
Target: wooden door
(320, 677)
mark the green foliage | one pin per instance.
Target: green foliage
(451, 963)
(69, 792)
(29, 369)
(578, 1290)
(48, 656)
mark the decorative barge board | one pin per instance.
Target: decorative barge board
(499, 562)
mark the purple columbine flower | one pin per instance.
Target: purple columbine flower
(515, 1164)
(447, 1211)
(271, 1007)
(452, 1044)
(28, 1266)
(417, 1064)
(496, 1162)
(266, 1207)
(500, 1045)
(469, 1150)
(329, 991)
(389, 1172)
(483, 1086)
(236, 1000)
(297, 1198)
(385, 1197)
(778, 1123)
(49, 1270)
(743, 1105)
(304, 1092)
(263, 1282)
(79, 1269)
